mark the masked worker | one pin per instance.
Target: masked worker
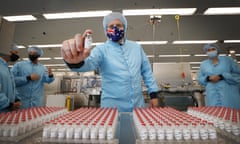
(122, 64)
(30, 76)
(221, 77)
(8, 97)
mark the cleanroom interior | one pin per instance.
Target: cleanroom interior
(173, 43)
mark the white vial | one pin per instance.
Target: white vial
(69, 132)
(177, 132)
(88, 41)
(94, 132)
(85, 132)
(53, 131)
(186, 132)
(236, 129)
(160, 132)
(62, 131)
(203, 132)
(143, 134)
(195, 132)
(151, 132)
(169, 132)
(212, 133)
(110, 132)
(102, 132)
(77, 131)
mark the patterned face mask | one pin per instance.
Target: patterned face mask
(115, 34)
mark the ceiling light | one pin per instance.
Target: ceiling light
(67, 15)
(57, 58)
(149, 56)
(152, 42)
(200, 55)
(194, 62)
(173, 55)
(231, 41)
(222, 11)
(195, 42)
(170, 11)
(46, 45)
(20, 18)
(20, 46)
(44, 58)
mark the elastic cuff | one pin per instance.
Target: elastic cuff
(208, 78)
(221, 77)
(28, 78)
(75, 65)
(154, 95)
(50, 75)
(10, 106)
(17, 100)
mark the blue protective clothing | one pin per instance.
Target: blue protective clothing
(7, 87)
(122, 67)
(31, 92)
(225, 92)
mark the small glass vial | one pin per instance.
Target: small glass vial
(88, 41)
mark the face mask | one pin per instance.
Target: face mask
(115, 34)
(33, 57)
(212, 54)
(14, 57)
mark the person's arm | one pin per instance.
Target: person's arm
(234, 76)
(4, 101)
(149, 81)
(202, 77)
(19, 79)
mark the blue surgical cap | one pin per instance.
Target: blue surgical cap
(207, 46)
(36, 49)
(113, 16)
(14, 47)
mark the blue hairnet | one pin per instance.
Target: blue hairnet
(112, 16)
(207, 46)
(36, 49)
(14, 47)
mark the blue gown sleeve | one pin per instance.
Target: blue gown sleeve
(233, 77)
(4, 101)
(202, 78)
(147, 74)
(19, 80)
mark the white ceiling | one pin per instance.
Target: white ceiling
(196, 27)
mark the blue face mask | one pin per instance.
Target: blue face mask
(115, 34)
(212, 54)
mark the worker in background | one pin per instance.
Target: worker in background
(122, 64)
(30, 76)
(8, 97)
(221, 77)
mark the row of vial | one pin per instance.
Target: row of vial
(83, 123)
(20, 122)
(78, 131)
(157, 124)
(223, 118)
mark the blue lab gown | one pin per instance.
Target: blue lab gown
(31, 92)
(225, 92)
(7, 86)
(122, 67)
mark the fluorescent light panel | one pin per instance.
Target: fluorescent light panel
(194, 41)
(46, 45)
(20, 18)
(68, 15)
(152, 42)
(173, 55)
(231, 41)
(170, 11)
(222, 11)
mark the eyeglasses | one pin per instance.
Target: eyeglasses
(115, 25)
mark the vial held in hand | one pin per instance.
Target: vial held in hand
(88, 41)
